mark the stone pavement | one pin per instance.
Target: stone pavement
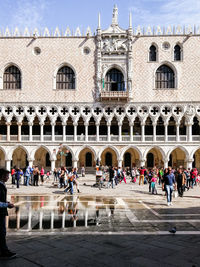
(105, 250)
(125, 226)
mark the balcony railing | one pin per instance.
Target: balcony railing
(13, 137)
(102, 138)
(58, 137)
(114, 95)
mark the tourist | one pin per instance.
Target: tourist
(5, 253)
(193, 176)
(153, 184)
(169, 181)
(62, 177)
(13, 170)
(35, 176)
(18, 175)
(142, 172)
(181, 181)
(187, 173)
(83, 171)
(42, 175)
(149, 179)
(70, 183)
(55, 175)
(27, 176)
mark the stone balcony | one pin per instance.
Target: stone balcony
(114, 96)
(100, 138)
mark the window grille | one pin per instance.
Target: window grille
(65, 78)
(12, 78)
(165, 77)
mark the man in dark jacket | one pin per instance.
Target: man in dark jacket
(4, 251)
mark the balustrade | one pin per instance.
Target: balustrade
(100, 138)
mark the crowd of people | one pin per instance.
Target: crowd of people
(171, 179)
(181, 179)
(28, 176)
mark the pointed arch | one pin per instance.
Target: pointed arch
(111, 147)
(84, 147)
(181, 148)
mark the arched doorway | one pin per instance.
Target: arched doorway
(127, 159)
(108, 159)
(41, 159)
(150, 160)
(131, 158)
(68, 160)
(154, 158)
(19, 158)
(88, 159)
(178, 158)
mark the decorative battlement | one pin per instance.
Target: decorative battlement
(141, 31)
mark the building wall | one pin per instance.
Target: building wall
(38, 71)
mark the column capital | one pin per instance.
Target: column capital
(75, 123)
(8, 123)
(19, 123)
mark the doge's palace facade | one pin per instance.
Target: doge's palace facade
(120, 97)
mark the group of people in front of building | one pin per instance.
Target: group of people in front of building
(28, 176)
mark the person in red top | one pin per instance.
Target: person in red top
(13, 175)
(193, 176)
(142, 171)
(42, 175)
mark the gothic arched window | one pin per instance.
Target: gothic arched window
(12, 78)
(152, 53)
(177, 53)
(165, 77)
(65, 78)
(114, 80)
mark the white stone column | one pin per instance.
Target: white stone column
(154, 132)
(120, 163)
(53, 132)
(8, 131)
(165, 163)
(142, 132)
(97, 132)
(41, 132)
(86, 132)
(108, 137)
(75, 132)
(177, 132)
(8, 165)
(120, 132)
(131, 132)
(30, 163)
(166, 131)
(189, 132)
(30, 131)
(142, 162)
(19, 132)
(53, 163)
(64, 132)
(189, 163)
(75, 163)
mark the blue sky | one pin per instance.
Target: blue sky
(84, 13)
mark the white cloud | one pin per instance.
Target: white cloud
(29, 14)
(158, 12)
